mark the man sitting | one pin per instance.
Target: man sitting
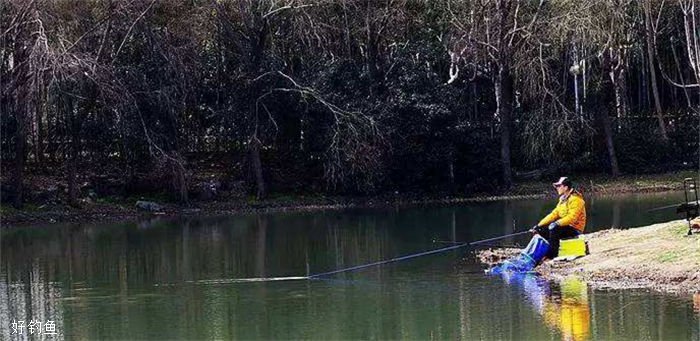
(567, 220)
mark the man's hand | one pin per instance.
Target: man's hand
(553, 225)
(533, 230)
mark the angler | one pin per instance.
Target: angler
(567, 220)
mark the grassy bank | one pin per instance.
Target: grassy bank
(602, 183)
(660, 257)
(118, 208)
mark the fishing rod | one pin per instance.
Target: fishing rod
(504, 246)
(363, 266)
(328, 273)
(480, 244)
(499, 238)
(397, 259)
(481, 241)
(425, 253)
(690, 203)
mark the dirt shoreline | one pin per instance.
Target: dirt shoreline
(90, 213)
(99, 210)
(659, 257)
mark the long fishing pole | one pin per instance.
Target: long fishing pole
(480, 244)
(495, 245)
(363, 266)
(672, 206)
(499, 238)
(358, 267)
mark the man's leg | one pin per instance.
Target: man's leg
(557, 234)
(543, 231)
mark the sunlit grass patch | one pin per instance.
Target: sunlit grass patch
(670, 256)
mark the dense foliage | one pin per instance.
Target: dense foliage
(344, 96)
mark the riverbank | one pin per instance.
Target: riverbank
(659, 257)
(105, 209)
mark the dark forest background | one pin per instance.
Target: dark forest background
(343, 96)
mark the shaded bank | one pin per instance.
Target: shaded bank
(103, 209)
(660, 257)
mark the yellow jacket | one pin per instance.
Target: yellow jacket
(571, 210)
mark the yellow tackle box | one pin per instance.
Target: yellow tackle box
(574, 247)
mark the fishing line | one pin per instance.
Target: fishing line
(498, 238)
(397, 259)
(328, 273)
(425, 253)
(248, 280)
(512, 246)
(357, 267)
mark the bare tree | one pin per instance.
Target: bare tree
(491, 37)
(649, 34)
(26, 38)
(602, 31)
(691, 11)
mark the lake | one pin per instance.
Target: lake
(178, 278)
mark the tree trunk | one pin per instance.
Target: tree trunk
(257, 46)
(681, 77)
(451, 175)
(179, 176)
(20, 154)
(20, 76)
(39, 143)
(504, 108)
(373, 61)
(617, 77)
(577, 102)
(608, 135)
(652, 71)
(72, 170)
(624, 100)
(504, 91)
(256, 165)
(72, 151)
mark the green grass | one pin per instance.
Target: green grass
(283, 198)
(111, 200)
(605, 183)
(7, 210)
(251, 200)
(681, 230)
(668, 257)
(27, 207)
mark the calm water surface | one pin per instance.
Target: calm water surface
(175, 279)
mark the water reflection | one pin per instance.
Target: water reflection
(570, 311)
(563, 306)
(101, 282)
(26, 299)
